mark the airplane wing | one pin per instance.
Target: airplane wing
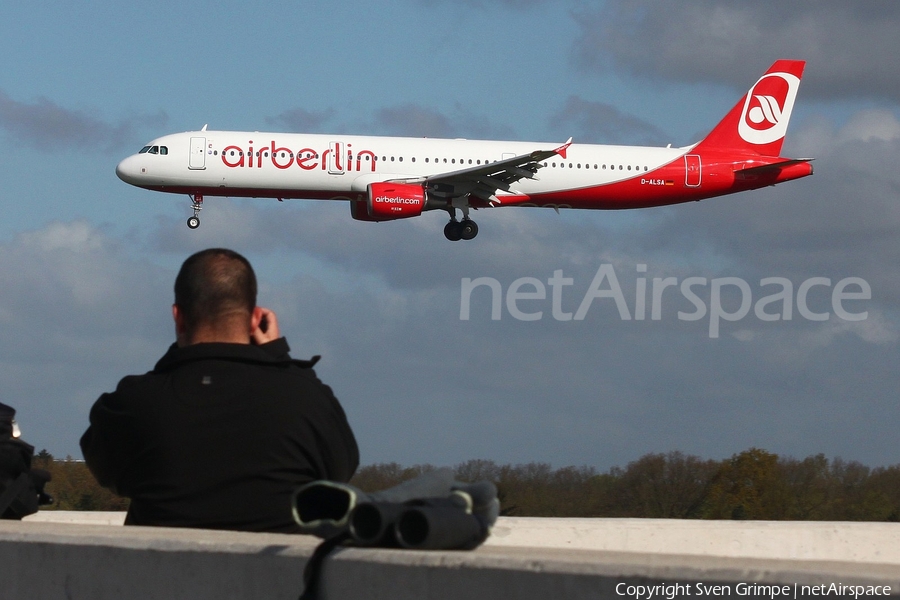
(485, 181)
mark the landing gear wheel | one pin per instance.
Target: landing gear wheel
(193, 222)
(468, 229)
(453, 231)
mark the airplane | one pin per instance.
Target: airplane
(389, 178)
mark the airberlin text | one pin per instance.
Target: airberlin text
(729, 298)
(670, 591)
(338, 157)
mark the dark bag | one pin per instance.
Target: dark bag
(21, 487)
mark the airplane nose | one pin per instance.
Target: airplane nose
(128, 170)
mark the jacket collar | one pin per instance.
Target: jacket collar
(248, 353)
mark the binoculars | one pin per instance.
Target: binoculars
(426, 524)
(431, 512)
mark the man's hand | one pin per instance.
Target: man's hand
(267, 329)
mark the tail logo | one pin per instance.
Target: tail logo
(767, 108)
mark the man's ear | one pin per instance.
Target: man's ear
(255, 318)
(180, 328)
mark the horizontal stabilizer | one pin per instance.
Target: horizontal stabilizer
(771, 168)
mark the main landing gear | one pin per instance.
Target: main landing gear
(197, 204)
(460, 230)
(455, 230)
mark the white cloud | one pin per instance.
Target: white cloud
(870, 125)
(76, 314)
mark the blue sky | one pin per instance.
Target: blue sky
(87, 262)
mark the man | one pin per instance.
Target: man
(21, 487)
(226, 426)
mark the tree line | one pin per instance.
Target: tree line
(72, 486)
(753, 484)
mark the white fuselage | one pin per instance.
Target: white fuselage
(341, 167)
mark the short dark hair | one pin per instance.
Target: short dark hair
(212, 284)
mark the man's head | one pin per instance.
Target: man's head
(215, 298)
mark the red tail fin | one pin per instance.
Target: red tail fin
(758, 122)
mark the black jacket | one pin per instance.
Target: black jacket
(218, 436)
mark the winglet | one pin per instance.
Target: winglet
(562, 149)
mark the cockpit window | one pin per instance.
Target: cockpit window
(154, 150)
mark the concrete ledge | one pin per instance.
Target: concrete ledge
(875, 543)
(526, 558)
(94, 517)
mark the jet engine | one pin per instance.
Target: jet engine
(387, 201)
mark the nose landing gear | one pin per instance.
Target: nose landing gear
(197, 204)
